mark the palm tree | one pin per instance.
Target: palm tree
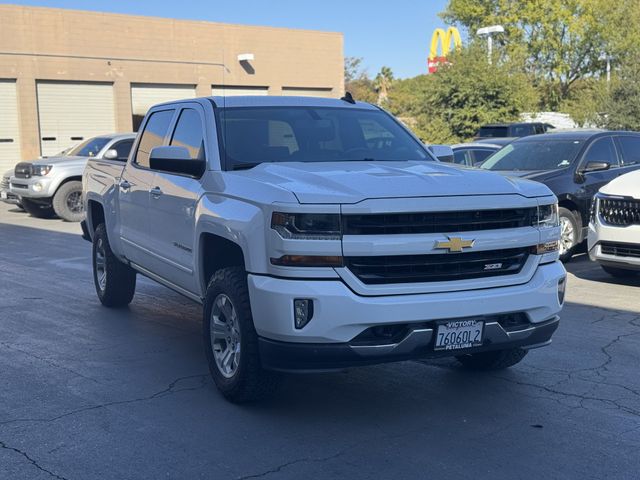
(382, 83)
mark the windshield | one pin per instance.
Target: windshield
(90, 148)
(492, 132)
(534, 155)
(254, 135)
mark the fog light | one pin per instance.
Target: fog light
(37, 187)
(562, 287)
(302, 311)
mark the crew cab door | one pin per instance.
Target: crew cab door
(134, 187)
(172, 204)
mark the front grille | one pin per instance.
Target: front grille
(437, 267)
(19, 185)
(437, 222)
(620, 213)
(4, 183)
(23, 170)
(621, 249)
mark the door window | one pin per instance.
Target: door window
(462, 157)
(123, 148)
(630, 147)
(153, 136)
(602, 150)
(189, 134)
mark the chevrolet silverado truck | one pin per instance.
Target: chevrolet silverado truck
(53, 185)
(321, 234)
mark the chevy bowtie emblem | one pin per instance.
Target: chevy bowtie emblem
(455, 244)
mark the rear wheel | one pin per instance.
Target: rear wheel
(569, 233)
(496, 360)
(67, 202)
(37, 209)
(620, 272)
(115, 281)
(231, 341)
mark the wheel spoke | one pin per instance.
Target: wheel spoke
(218, 328)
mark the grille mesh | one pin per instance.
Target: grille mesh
(619, 212)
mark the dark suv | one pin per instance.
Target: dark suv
(574, 164)
(499, 130)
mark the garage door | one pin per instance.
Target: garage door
(9, 129)
(307, 92)
(233, 90)
(71, 112)
(145, 96)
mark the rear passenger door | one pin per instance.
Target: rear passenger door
(173, 202)
(134, 188)
(629, 148)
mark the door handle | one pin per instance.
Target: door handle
(155, 192)
(125, 186)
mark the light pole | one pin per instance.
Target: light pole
(488, 32)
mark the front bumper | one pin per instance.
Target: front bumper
(340, 315)
(600, 234)
(34, 187)
(418, 344)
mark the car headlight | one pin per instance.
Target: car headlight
(40, 170)
(307, 226)
(547, 216)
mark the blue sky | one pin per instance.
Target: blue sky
(392, 33)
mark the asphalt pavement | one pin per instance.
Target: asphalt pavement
(92, 393)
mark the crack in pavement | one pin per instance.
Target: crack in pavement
(162, 393)
(4, 446)
(281, 467)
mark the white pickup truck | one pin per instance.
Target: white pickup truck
(320, 234)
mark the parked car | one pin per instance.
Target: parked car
(317, 245)
(473, 154)
(53, 185)
(522, 129)
(5, 191)
(574, 164)
(500, 141)
(614, 230)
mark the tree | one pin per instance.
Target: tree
(357, 82)
(450, 105)
(382, 83)
(562, 41)
(622, 106)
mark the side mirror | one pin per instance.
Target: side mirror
(444, 153)
(111, 154)
(176, 160)
(596, 167)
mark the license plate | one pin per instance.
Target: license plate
(3, 195)
(459, 334)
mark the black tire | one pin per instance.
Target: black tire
(118, 286)
(619, 272)
(67, 202)
(495, 360)
(569, 245)
(247, 381)
(37, 209)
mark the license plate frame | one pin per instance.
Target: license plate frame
(451, 336)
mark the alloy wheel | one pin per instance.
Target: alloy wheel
(567, 235)
(101, 264)
(225, 336)
(74, 202)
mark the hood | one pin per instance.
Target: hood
(627, 185)
(352, 182)
(57, 160)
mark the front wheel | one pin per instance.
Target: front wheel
(231, 341)
(569, 233)
(495, 360)
(115, 281)
(67, 202)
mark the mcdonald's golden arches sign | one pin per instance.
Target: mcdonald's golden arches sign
(443, 39)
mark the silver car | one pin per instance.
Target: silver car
(53, 186)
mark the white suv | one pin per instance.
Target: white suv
(614, 230)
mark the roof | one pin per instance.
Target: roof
(568, 134)
(476, 145)
(281, 101)
(510, 124)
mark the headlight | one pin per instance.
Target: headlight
(547, 216)
(40, 170)
(307, 226)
